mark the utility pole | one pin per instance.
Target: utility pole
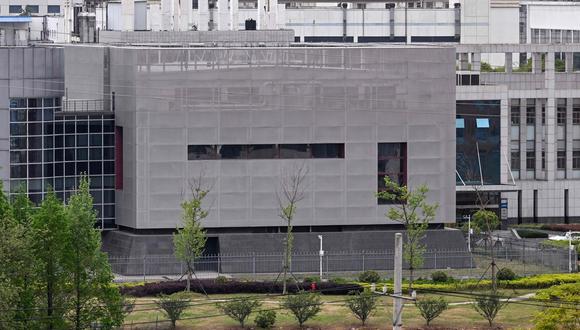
(468, 217)
(321, 254)
(398, 284)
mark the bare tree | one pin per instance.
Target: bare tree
(291, 192)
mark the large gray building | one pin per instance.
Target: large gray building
(243, 117)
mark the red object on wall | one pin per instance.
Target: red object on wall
(118, 158)
(313, 286)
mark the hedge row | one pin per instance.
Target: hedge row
(533, 282)
(233, 286)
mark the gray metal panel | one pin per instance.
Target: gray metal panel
(140, 15)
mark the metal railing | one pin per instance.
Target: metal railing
(84, 105)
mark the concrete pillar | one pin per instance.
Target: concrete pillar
(505, 176)
(476, 62)
(128, 14)
(550, 138)
(186, 20)
(508, 62)
(260, 11)
(222, 20)
(537, 62)
(569, 136)
(523, 140)
(203, 15)
(569, 62)
(87, 24)
(234, 10)
(538, 140)
(550, 80)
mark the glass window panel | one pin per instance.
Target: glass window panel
(82, 140)
(34, 114)
(48, 170)
(262, 151)
(109, 126)
(96, 139)
(95, 168)
(389, 150)
(82, 126)
(18, 157)
(328, 150)
(58, 155)
(34, 103)
(33, 9)
(69, 154)
(17, 186)
(69, 127)
(35, 143)
(58, 169)
(18, 171)
(82, 154)
(57, 102)
(109, 153)
(109, 196)
(69, 183)
(59, 141)
(53, 9)
(48, 142)
(233, 151)
(58, 127)
(48, 114)
(18, 103)
(48, 156)
(15, 9)
(459, 123)
(17, 143)
(109, 211)
(36, 199)
(69, 141)
(97, 196)
(95, 154)
(18, 129)
(108, 140)
(294, 151)
(96, 182)
(48, 128)
(48, 184)
(34, 128)
(109, 182)
(69, 168)
(17, 115)
(58, 184)
(95, 126)
(482, 122)
(35, 156)
(82, 167)
(109, 167)
(35, 171)
(48, 102)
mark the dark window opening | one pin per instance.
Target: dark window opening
(392, 162)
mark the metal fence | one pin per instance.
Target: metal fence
(525, 258)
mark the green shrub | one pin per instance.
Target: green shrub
(172, 306)
(506, 274)
(340, 280)
(369, 276)
(265, 319)
(529, 233)
(311, 279)
(239, 309)
(431, 308)
(221, 280)
(489, 306)
(559, 316)
(362, 304)
(303, 305)
(439, 277)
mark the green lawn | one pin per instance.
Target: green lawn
(334, 315)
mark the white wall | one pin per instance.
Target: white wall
(563, 16)
(503, 29)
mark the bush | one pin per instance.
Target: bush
(506, 274)
(562, 227)
(265, 319)
(431, 308)
(528, 233)
(439, 277)
(303, 305)
(369, 276)
(233, 286)
(559, 316)
(172, 306)
(239, 308)
(362, 305)
(221, 280)
(311, 279)
(489, 306)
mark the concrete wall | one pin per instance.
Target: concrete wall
(25, 72)
(169, 98)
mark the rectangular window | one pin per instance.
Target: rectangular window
(576, 159)
(515, 160)
(531, 112)
(531, 160)
(262, 151)
(118, 157)
(392, 162)
(482, 122)
(265, 151)
(32, 9)
(233, 151)
(328, 150)
(561, 112)
(15, 9)
(576, 112)
(515, 112)
(194, 4)
(53, 9)
(201, 152)
(561, 160)
(294, 151)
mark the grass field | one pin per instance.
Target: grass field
(205, 315)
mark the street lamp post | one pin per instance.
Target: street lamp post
(468, 217)
(321, 254)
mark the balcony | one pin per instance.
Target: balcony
(85, 106)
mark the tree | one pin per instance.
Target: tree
(93, 299)
(486, 221)
(290, 193)
(412, 211)
(489, 306)
(189, 242)
(239, 309)
(431, 308)
(173, 306)
(362, 305)
(303, 305)
(49, 242)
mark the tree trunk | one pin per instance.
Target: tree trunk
(188, 285)
(49, 294)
